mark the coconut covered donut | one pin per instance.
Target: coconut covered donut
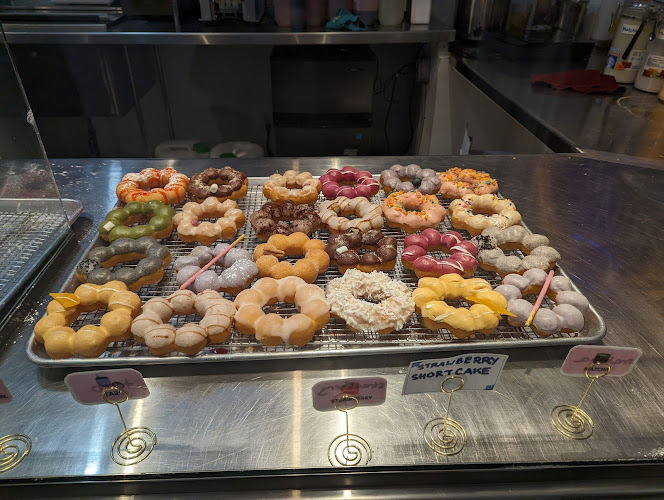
(299, 187)
(333, 213)
(345, 251)
(412, 211)
(117, 222)
(271, 329)
(90, 341)
(370, 301)
(165, 185)
(223, 183)
(348, 182)
(457, 182)
(475, 213)
(410, 178)
(190, 228)
(481, 317)
(284, 218)
(314, 258)
(152, 328)
(461, 261)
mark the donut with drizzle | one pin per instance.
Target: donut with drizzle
(338, 183)
(461, 261)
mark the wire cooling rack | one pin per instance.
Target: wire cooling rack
(333, 340)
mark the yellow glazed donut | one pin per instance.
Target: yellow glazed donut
(165, 185)
(90, 341)
(315, 259)
(272, 329)
(300, 188)
(475, 213)
(333, 214)
(482, 317)
(412, 211)
(189, 227)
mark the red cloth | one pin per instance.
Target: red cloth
(586, 80)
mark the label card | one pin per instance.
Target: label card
(369, 391)
(87, 387)
(5, 395)
(620, 359)
(480, 371)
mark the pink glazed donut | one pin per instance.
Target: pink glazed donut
(338, 183)
(461, 261)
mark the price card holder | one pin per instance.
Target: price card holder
(593, 362)
(348, 450)
(115, 387)
(13, 447)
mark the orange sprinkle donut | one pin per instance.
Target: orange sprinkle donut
(300, 188)
(166, 185)
(315, 261)
(456, 182)
(412, 210)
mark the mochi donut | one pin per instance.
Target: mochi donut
(348, 182)
(457, 182)
(475, 213)
(409, 178)
(299, 187)
(165, 185)
(461, 261)
(411, 211)
(334, 214)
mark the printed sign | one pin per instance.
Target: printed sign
(87, 387)
(480, 371)
(369, 391)
(5, 395)
(620, 359)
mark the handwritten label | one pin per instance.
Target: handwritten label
(480, 371)
(87, 387)
(620, 359)
(5, 395)
(369, 391)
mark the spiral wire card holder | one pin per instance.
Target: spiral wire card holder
(444, 435)
(13, 449)
(348, 450)
(133, 445)
(572, 421)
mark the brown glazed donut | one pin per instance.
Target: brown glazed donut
(284, 218)
(230, 184)
(344, 251)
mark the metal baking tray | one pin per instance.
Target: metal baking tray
(335, 339)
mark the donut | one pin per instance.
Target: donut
(298, 187)
(223, 183)
(190, 228)
(152, 259)
(370, 301)
(284, 218)
(152, 328)
(412, 211)
(457, 182)
(492, 241)
(314, 258)
(239, 269)
(461, 261)
(482, 317)
(165, 185)
(409, 178)
(333, 214)
(348, 182)
(117, 222)
(271, 329)
(90, 341)
(475, 213)
(346, 251)
(566, 316)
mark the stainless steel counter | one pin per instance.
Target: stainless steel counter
(237, 421)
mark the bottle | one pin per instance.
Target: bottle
(367, 10)
(420, 12)
(390, 12)
(651, 75)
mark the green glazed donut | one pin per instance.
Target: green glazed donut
(116, 223)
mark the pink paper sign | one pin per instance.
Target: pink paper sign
(88, 387)
(366, 391)
(620, 359)
(5, 395)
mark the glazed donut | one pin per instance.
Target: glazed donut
(152, 328)
(411, 211)
(409, 178)
(117, 222)
(370, 301)
(284, 218)
(461, 261)
(152, 259)
(470, 213)
(348, 182)
(239, 269)
(456, 183)
(271, 329)
(482, 317)
(492, 258)
(223, 183)
(345, 251)
(333, 214)
(189, 227)
(165, 185)
(314, 261)
(90, 341)
(298, 187)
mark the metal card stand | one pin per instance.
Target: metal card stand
(13, 449)
(348, 450)
(133, 445)
(444, 435)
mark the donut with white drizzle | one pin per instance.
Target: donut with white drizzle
(461, 261)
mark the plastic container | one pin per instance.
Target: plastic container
(390, 12)
(237, 149)
(253, 10)
(182, 148)
(420, 12)
(333, 7)
(316, 12)
(651, 75)
(367, 10)
(289, 13)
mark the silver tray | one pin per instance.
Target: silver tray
(335, 339)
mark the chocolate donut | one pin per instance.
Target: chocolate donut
(284, 218)
(224, 183)
(345, 250)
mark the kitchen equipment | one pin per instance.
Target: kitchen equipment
(477, 17)
(420, 12)
(253, 10)
(651, 76)
(569, 18)
(390, 12)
